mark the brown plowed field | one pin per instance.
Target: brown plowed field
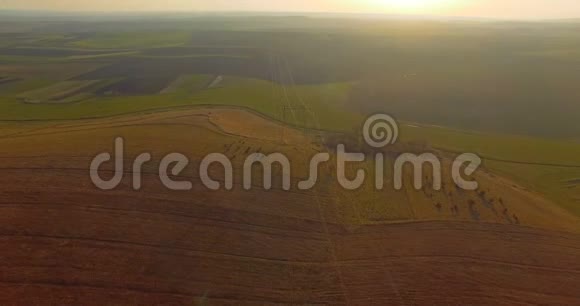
(63, 242)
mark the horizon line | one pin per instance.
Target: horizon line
(287, 14)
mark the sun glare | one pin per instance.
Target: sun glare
(416, 6)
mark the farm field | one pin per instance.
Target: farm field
(299, 86)
(58, 93)
(325, 110)
(326, 236)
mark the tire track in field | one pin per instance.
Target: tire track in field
(321, 211)
(321, 216)
(388, 273)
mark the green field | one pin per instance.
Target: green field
(134, 40)
(62, 92)
(550, 167)
(325, 104)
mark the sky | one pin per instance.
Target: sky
(504, 9)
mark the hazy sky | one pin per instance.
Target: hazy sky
(469, 8)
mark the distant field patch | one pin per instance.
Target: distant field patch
(557, 54)
(216, 82)
(63, 92)
(60, 71)
(178, 51)
(49, 52)
(193, 52)
(134, 40)
(23, 85)
(102, 55)
(135, 86)
(6, 80)
(186, 56)
(187, 84)
(174, 67)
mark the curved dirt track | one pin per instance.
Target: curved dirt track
(62, 242)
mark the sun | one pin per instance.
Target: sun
(413, 5)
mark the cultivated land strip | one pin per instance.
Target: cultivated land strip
(255, 247)
(130, 243)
